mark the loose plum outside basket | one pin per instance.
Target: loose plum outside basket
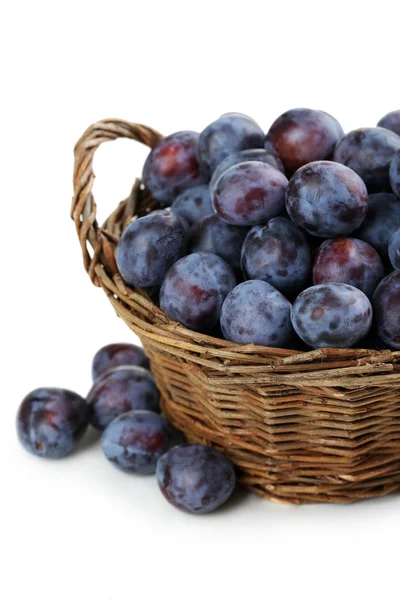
(318, 426)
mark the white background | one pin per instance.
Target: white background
(78, 528)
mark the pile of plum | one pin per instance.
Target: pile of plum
(123, 404)
(289, 239)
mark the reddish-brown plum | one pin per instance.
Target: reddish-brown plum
(256, 313)
(278, 253)
(211, 234)
(149, 247)
(172, 166)
(368, 151)
(228, 134)
(249, 193)
(327, 199)
(121, 390)
(118, 355)
(386, 302)
(332, 315)
(391, 121)
(302, 135)
(382, 220)
(347, 260)
(195, 288)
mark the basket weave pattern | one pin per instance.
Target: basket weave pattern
(318, 426)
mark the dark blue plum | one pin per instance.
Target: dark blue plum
(168, 211)
(257, 154)
(327, 199)
(249, 193)
(50, 422)
(195, 288)
(391, 121)
(351, 261)
(228, 134)
(394, 249)
(135, 441)
(368, 151)
(211, 234)
(386, 303)
(394, 174)
(119, 391)
(332, 315)
(197, 479)
(118, 355)
(172, 166)
(303, 135)
(256, 313)
(193, 204)
(279, 254)
(149, 247)
(382, 220)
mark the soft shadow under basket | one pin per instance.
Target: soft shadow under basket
(319, 426)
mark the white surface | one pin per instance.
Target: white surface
(79, 529)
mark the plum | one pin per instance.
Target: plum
(351, 261)
(386, 303)
(333, 315)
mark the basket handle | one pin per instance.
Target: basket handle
(83, 210)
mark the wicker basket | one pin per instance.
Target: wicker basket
(319, 426)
